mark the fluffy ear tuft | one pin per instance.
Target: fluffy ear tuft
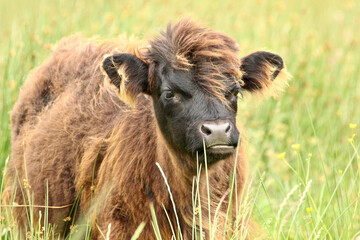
(128, 74)
(264, 73)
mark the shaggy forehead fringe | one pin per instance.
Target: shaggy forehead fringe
(209, 55)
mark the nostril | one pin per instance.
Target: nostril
(205, 130)
(228, 128)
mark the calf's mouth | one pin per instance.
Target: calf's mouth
(215, 153)
(220, 149)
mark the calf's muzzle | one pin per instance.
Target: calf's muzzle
(220, 136)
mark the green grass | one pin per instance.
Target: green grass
(320, 43)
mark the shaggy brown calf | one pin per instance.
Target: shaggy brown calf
(94, 120)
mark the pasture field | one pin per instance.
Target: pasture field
(303, 148)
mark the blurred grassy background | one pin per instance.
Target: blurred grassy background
(320, 43)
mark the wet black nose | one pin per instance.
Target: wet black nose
(216, 132)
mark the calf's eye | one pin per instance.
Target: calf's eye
(169, 94)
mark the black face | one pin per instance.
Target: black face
(189, 117)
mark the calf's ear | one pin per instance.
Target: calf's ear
(264, 72)
(128, 74)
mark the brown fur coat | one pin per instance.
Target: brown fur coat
(72, 135)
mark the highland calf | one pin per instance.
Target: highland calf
(92, 122)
